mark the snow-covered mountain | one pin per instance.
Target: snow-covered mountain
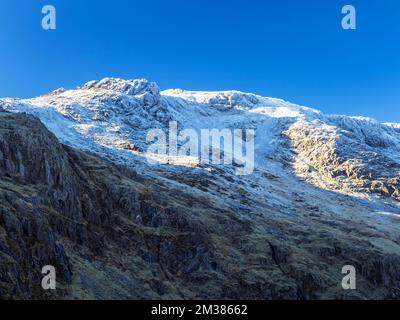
(113, 116)
(313, 173)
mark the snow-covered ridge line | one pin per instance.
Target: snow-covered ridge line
(112, 117)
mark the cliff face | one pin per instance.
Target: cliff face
(33, 177)
(108, 232)
(112, 232)
(351, 154)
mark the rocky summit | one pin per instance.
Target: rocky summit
(77, 192)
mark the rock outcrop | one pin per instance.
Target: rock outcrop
(348, 154)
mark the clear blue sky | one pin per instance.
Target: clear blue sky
(292, 49)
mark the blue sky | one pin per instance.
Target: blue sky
(295, 50)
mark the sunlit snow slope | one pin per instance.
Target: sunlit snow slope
(299, 152)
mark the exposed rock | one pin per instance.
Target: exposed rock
(347, 158)
(323, 194)
(116, 235)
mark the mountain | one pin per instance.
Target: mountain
(79, 192)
